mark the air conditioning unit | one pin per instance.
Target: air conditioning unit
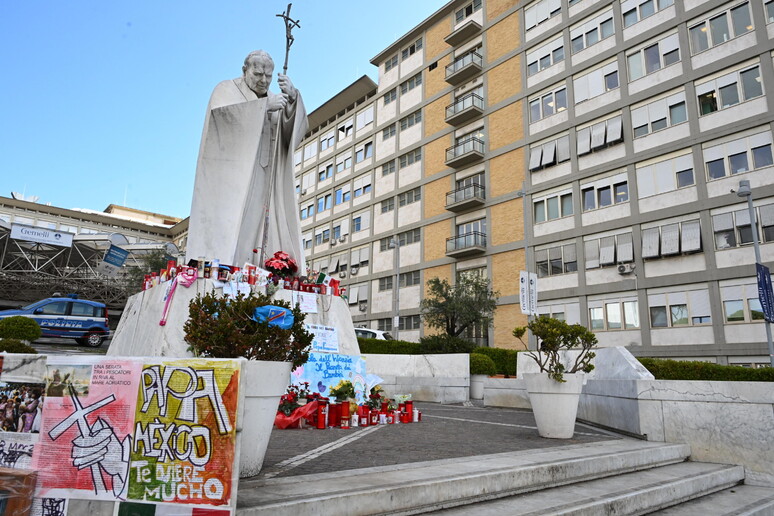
(343, 239)
(343, 274)
(362, 307)
(626, 268)
(333, 241)
(303, 192)
(353, 270)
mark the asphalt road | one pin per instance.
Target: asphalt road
(54, 346)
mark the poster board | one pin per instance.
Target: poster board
(325, 370)
(153, 434)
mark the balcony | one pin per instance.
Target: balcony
(468, 244)
(464, 67)
(465, 152)
(464, 109)
(464, 198)
(463, 33)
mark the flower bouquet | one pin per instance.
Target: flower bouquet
(343, 391)
(281, 265)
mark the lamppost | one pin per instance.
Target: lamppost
(395, 244)
(745, 191)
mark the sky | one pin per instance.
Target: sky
(102, 101)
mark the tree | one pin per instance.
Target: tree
(153, 261)
(455, 308)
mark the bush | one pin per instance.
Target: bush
(16, 346)
(482, 364)
(388, 347)
(687, 370)
(222, 327)
(504, 359)
(437, 344)
(19, 327)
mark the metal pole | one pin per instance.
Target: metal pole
(396, 287)
(744, 191)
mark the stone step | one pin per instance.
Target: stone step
(740, 500)
(426, 486)
(629, 494)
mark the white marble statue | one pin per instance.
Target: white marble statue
(238, 158)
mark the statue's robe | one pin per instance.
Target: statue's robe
(233, 176)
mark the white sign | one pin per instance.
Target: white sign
(326, 338)
(307, 301)
(528, 293)
(41, 235)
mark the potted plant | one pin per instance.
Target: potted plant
(220, 327)
(481, 366)
(555, 391)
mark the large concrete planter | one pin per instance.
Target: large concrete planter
(262, 385)
(554, 404)
(477, 386)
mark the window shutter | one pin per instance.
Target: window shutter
(334, 266)
(650, 243)
(353, 294)
(549, 153)
(670, 239)
(625, 247)
(640, 116)
(699, 303)
(563, 149)
(614, 130)
(591, 248)
(690, 237)
(723, 222)
(767, 215)
(584, 141)
(742, 218)
(345, 227)
(598, 135)
(363, 292)
(668, 44)
(569, 253)
(535, 157)
(607, 251)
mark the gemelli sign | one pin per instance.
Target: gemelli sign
(41, 235)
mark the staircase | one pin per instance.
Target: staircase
(609, 477)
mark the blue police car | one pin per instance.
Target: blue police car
(68, 317)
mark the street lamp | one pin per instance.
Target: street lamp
(745, 191)
(395, 244)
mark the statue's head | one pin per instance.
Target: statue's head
(257, 70)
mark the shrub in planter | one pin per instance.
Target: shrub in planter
(504, 359)
(482, 364)
(16, 346)
(222, 327)
(388, 347)
(19, 327)
(664, 369)
(444, 343)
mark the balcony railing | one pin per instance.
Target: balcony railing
(465, 197)
(465, 152)
(464, 108)
(463, 33)
(466, 245)
(464, 67)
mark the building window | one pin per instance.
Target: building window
(599, 135)
(410, 120)
(362, 185)
(390, 96)
(614, 316)
(545, 56)
(343, 194)
(466, 11)
(738, 156)
(548, 104)
(346, 129)
(653, 57)
(549, 153)
(411, 49)
(602, 196)
(388, 132)
(609, 250)
(556, 260)
(307, 211)
(384, 324)
(324, 203)
(637, 10)
(733, 229)
(308, 243)
(721, 28)
(592, 32)
(391, 63)
(410, 197)
(541, 11)
(361, 221)
(385, 283)
(410, 158)
(411, 83)
(310, 150)
(553, 207)
(364, 152)
(658, 115)
(596, 82)
(408, 279)
(769, 6)
(388, 168)
(325, 173)
(671, 239)
(327, 141)
(665, 176)
(388, 204)
(365, 117)
(409, 237)
(410, 322)
(729, 90)
(343, 163)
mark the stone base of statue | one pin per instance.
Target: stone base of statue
(140, 334)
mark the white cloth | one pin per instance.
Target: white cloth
(233, 176)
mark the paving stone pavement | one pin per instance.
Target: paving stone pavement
(446, 432)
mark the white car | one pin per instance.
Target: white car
(368, 333)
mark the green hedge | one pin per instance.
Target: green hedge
(16, 346)
(388, 347)
(482, 364)
(19, 327)
(504, 359)
(664, 369)
(443, 343)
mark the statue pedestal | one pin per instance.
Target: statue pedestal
(139, 333)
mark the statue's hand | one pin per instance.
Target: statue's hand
(277, 102)
(286, 86)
